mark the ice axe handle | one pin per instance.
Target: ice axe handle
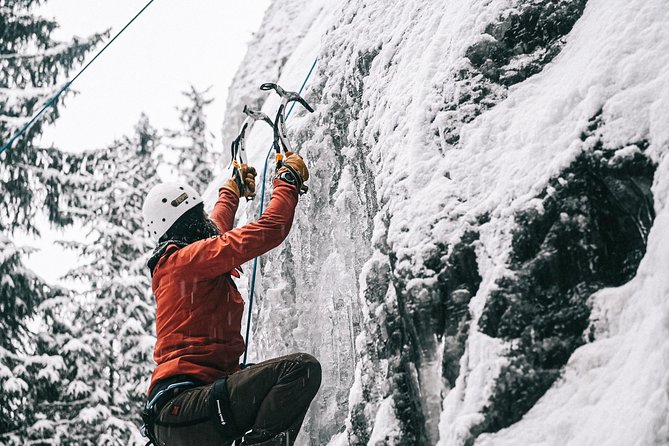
(238, 178)
(240, 182)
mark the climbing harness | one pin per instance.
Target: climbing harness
(214, 407)
(153, 407)
(260, 211)
(238, 146)
(51, 102)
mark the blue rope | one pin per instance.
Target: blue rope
(51, 102)
(262, 204)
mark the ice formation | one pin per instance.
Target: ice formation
(482, 256)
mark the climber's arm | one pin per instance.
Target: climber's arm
(216, 256)
(225, 208)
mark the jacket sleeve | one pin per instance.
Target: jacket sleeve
(224, 209)
(213, 257)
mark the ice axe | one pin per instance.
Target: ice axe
(281, 142)
(238, 146)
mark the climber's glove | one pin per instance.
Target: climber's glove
(293, 170)
(243, 182)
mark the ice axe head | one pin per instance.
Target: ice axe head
(287, 96)
(257, 115)
(238, 147)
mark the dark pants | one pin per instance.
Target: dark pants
(269, 399)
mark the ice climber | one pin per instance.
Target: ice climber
(198, 395)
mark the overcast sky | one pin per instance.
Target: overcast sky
(175, 43)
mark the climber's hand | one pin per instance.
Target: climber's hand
(293, 166)
(248, 173)
(243, 182)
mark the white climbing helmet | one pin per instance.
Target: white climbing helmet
(164, 204)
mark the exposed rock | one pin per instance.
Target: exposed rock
(589, 231)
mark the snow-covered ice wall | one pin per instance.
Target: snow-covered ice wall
(482, 257)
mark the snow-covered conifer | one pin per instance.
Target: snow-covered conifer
(193, 142)
(111, 359)
(32, 180)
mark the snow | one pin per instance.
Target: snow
(413, 190)
(75, 345)
(386, 427)
(50, 367)
(14, 385)
(57, 49)
(91, 414)
(5, 372)
(43, 425)
(612, 390)
(77, 389)
(7, 281)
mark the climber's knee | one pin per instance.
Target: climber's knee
(312, 372)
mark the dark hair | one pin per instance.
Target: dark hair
(192, 226)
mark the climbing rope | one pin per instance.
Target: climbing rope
(51, 102)
(262, 203)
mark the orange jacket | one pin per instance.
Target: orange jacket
(198, 307)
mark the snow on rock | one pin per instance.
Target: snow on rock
(386, 428)
(481, 257)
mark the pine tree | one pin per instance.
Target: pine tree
(193, 143)
(110, 357)
(32, 181)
